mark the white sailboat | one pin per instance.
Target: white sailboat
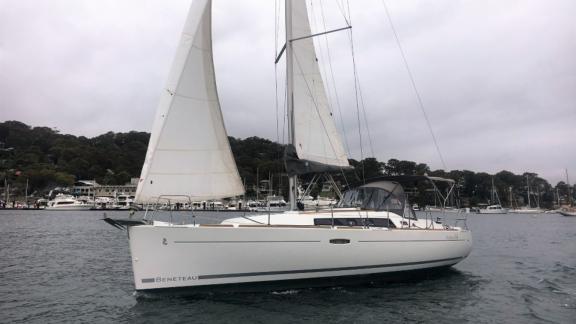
(569, 209)
(495, 208)
(528, 209)
(189, 158)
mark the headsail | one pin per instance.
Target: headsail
(316, 139)
(189, 153)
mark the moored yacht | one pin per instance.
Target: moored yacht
(493, 209)
(371, 232)
(67, 203)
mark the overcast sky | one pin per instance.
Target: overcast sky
(497, 77)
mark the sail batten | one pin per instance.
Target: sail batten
(188, 154)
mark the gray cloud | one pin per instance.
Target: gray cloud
(497, 78)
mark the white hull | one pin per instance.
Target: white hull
(190, 256)
(70, 207)
(493, 211)
(527, 211)
(68, 202)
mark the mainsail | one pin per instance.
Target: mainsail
(315, 140)
(189, 154)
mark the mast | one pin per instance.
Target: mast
(5, 192)
(293, 180)
(569, 188)
(496, 194)
(26, 192)
(493, 192)
(528, 186)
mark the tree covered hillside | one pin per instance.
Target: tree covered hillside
(46, 159)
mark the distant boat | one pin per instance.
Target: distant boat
(527, 209)
(493, 209)
(67, 203)
(567, 211)
(124, 202)
(433, 209)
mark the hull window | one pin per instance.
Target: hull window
(372, 222)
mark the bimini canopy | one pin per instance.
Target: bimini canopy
(377, 196)
(406, 180)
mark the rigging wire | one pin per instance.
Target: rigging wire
(280, 138)
(338, 105)
(323, 69)
(313, 21)
(356, 97)
(366, 120)
(336, 96)
(343, 12)
(360, 88)
(413, 82)
(362, 105)
(276, 68)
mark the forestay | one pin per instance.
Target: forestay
(189, 153)
(315, 136)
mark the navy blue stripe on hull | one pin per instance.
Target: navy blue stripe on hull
(338, 281)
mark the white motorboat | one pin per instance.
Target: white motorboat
(493, 209)
(67, 203)
(371, 231)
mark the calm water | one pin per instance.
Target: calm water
(72, 267)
